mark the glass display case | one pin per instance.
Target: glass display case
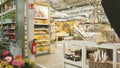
(72, 54)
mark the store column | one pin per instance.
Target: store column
(19, 27)
(30, 27)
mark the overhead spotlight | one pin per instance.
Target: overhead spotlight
(68, 6)
(62, 5)
(43, 0)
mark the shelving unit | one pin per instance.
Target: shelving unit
(8, 33)
(8, 23)
(11, 23)
(84, 45)
(61, 29)
(42, 29)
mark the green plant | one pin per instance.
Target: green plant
(2, 49)
(3, 46)
(29, 64)
(9, 66)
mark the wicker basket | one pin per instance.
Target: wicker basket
(99, 65)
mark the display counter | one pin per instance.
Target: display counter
(83, 46)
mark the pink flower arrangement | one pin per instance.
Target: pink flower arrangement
(18, 61)
(6, 53)
(8, 58)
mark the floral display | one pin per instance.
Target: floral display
(18, 61)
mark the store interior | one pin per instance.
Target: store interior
(61, 33)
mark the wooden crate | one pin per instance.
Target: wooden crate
(99, 65)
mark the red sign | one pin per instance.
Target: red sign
(31, 6)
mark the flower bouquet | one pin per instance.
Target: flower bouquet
(18, 61)
(8, 61)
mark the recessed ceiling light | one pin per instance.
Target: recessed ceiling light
(43, 0)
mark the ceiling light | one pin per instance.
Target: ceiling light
(68, 6)
(62, 5)
(43, 0)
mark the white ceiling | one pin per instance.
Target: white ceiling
(76, 8)
(66, 4)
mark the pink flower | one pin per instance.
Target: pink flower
(8, 58)
(18, 62)
(5, 53)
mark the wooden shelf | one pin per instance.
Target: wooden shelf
(76, 63)
(40, 34)
(43, 45)
(9, 29)
(42, 24)
(41, 29)
(40, 18)
(41, 40)
(9, 34)
(5, 23)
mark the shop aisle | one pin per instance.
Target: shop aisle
(53, 60)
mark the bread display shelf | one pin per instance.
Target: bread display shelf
(41, 29)
(42, 24)
(39, 18)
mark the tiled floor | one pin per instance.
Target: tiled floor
(53, 60)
